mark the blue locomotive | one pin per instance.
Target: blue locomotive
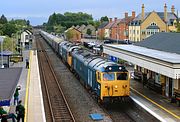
(107, 79)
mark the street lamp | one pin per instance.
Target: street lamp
(1, 40)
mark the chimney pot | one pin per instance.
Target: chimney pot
(172, 9)
(133, 14)
(115, 19)
(126, 15)
(110, 19)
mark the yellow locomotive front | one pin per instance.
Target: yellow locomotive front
(114, 85)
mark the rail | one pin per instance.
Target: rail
(58, 105)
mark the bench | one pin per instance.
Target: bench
(176, 98)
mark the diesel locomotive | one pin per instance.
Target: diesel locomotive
(107, 79)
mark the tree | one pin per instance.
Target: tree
(28, 23)
(178, 26)
(89, 32)
(3, 20)
(59, 29)
(8, 29)
(104, 19)
(68, 19)
(8, 44)
(96, 24)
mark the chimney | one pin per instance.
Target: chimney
(133, 14)
(126, 15)
(172, 9)
(115, 19)
(165, 13)
(110, 20)
(142, 13)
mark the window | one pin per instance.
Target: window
(99, 76)
(108, 76)
(26, 37)
(122, 76)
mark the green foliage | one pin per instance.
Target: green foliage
(59, 29)
(8, 44)
(3, 20)
(178, 27)
(67, 20)
(89, 31)
(104, 19)
(9, 29)
(97, 24)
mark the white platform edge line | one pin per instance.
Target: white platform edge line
(149, 110)
(42, 102)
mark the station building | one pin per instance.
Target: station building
(26, 38)
(156, 60)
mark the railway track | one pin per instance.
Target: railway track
(121, 112)
(56, 106)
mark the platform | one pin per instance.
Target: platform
(34, 102)
(156, 104)
(9, 78)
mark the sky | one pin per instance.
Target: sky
(38, 11)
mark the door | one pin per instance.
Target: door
(89, 77)
(167, 86)
(170, 87)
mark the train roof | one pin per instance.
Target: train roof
(106, 66)
(52, 37)
(98, 63)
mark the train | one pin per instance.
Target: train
(107, 79)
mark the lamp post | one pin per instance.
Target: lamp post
(1, 40)
(117, 32)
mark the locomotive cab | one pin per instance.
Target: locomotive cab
(113, 84)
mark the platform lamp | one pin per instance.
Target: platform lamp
(1, 41)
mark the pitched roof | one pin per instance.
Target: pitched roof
(81, 28)
(116, 22)
(168, 42)
(103, 25)
(170, 17)
(109, 25)
(71, 28)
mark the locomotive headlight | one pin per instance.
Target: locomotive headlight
(110, 68)
(116, 86)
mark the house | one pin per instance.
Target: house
(73, 34)
(107, 28)
(26, 38)
(101, 30)
(149, 23)
(86, 29)
(119, 30)
(91, 30)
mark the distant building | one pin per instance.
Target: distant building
(101, 30)
(84, 30)
(26, 38)
(149, 23)
(117, 29)
(73, 34)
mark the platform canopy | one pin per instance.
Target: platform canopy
(8, 81)
(165, 63)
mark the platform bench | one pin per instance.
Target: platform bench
(177, 97)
